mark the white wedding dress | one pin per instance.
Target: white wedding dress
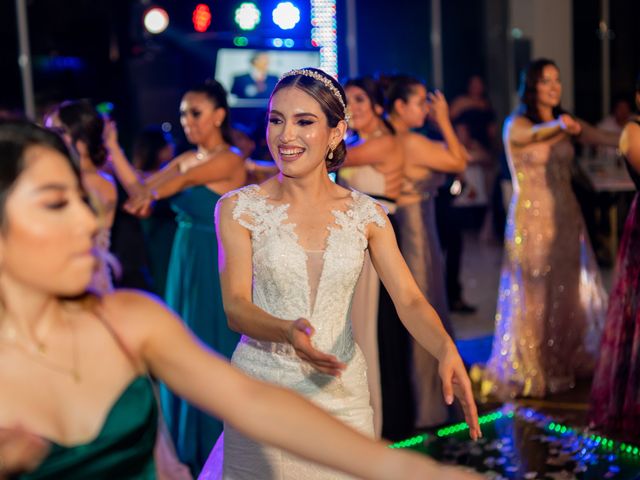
(290, 283)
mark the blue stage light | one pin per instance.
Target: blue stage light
(286, 15)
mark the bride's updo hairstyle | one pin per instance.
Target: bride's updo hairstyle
(329, 94)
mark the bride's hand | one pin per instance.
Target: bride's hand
(455, 382)
(299, 336)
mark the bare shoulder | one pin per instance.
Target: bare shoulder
(416, 142)
(630, 135)
(517, 121)
(102, 183)
(226, 204)
(232, 155)
(384, 142)
(633, 128)
(134, 311)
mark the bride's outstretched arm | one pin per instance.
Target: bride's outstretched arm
(243, 316)
(421, 320)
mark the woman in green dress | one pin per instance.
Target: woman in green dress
(152, 150)
(195, 180)
(76, 401)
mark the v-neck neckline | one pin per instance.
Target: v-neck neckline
(291, 229)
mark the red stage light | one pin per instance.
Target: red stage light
(201, 17)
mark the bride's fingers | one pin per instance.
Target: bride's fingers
(465, 395)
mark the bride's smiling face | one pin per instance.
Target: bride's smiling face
(298, 133)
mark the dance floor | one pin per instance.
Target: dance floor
(523, 443)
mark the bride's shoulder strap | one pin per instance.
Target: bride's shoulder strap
(367, 210)
(251, 209)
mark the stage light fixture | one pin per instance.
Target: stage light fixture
(155, 20)
(201, 17)
(277, 42)
(286, 15)
(240, 41)
(247, 16)
(324, 34)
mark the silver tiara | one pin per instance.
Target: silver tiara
(325, 81)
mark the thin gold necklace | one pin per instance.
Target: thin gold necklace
(200, 157)
(38, 351)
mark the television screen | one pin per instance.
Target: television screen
(250, 75)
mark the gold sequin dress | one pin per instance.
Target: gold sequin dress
(551, 303)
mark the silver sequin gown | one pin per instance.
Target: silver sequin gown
(289, 283)
(551, 303)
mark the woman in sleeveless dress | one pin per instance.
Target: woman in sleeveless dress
(425, 165)
(81, 126)
(373, 314)
(615, 394)
(152, 150)
(76, 400)
(551, 303)
(195, 181)
(292, 251)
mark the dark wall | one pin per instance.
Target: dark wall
(587, 60)
(394, 36)
(624, 48)
(10, 89)
(463, 43)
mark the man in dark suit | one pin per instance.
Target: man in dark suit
(257, 83)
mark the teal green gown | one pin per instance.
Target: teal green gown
(159, 230)
(123, 449)
(193, 292)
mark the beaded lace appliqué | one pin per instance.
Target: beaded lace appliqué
(281, 284)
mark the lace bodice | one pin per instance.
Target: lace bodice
(290, 282)
(283, 272)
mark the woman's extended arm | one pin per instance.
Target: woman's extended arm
(261, 411)
(373, 151)
(182, 172)
(520, 131)
(591, 135)
(421, 320)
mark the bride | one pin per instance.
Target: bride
(291, 251)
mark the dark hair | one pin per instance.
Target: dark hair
(16, 137)
(85, 124)
(256, 55)
(528, 90)
(330, 104)
(374, 92)
(216, 93)
(148, 145)
(399, 87)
